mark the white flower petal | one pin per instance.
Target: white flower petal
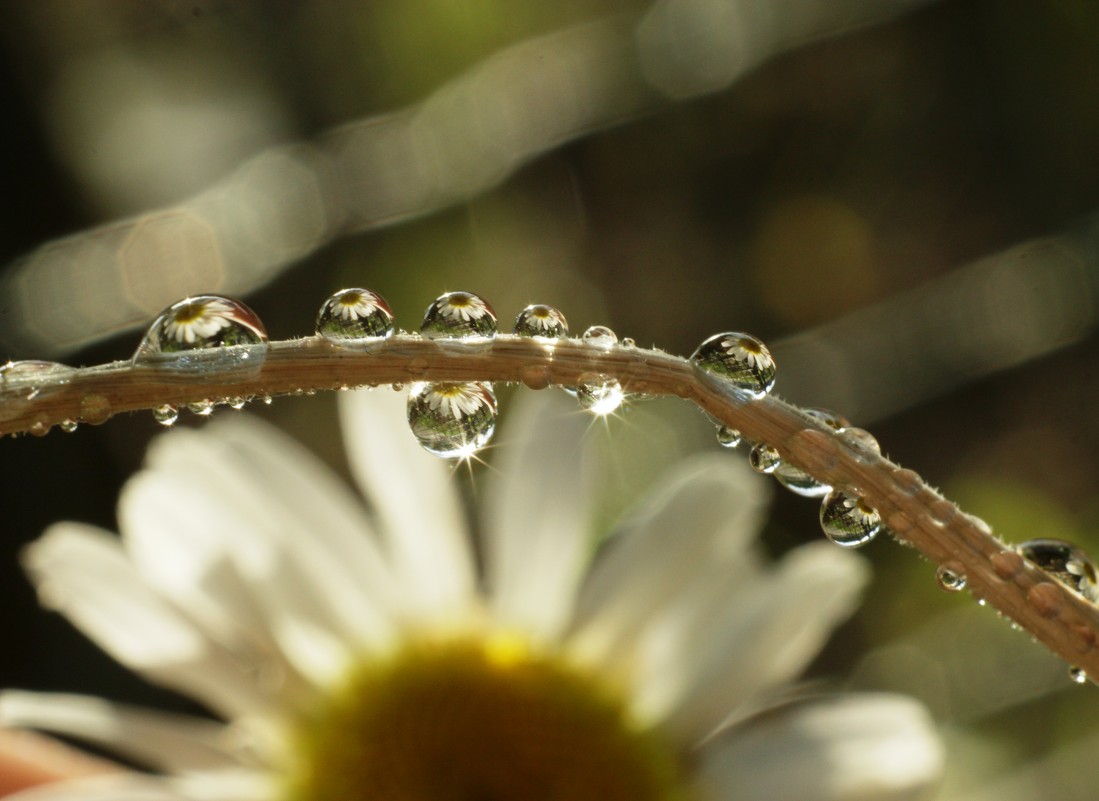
(159, 740)
(704, 515)
(109, 787)
(754, 639)
(81, 572)
(537, 532)
(882, 747)
(421, 514)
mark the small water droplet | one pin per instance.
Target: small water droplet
(397, 386)
(535, 376)
(417, 366)
(739, 359)
(847, 520)
(68, 425)
(95, 408)
(355, 317)
(764, 458)
(205, 334)
(541, 322)
(40, 426)
(829, 418)
(728, 437)
(266, 400)
(166, 414)
(599, 394)
(452, 420)
(236, 402)
(600, 336)
(203, 408)
(1078, 675)
(1065, 562)
(861, 440)
(951, 577)
(459, 317)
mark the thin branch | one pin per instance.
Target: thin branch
(917, 515)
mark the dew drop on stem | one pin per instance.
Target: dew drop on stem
(452, 420)
(740, 360)
(355, 318)
(461, 318)
(847, 520)
(541, 322)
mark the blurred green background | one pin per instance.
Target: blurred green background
(831, 201)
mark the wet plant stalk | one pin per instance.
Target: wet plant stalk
(1064, 621)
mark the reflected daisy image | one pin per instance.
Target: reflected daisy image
(201, 322)
(459, 315)
(373, 648)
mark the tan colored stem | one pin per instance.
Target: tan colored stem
(1061, 619)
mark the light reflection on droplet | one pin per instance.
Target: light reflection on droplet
(739, 359)
(541, 322)
(207, 334)
(166, 414)
(459, 317)
(355, 317)
(452, 420)
(847, 520)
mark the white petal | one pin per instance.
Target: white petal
(705, 515)
(882, 747)
(743, 641)
(416, 502)
(204, 497)
(539, 501)
(81, 572)
(111, 787)
(159, 740)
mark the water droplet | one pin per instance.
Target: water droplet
(600, 336)
(951, 577)
(799, 482)
(861, 440)
(95, 408)
(459, 317)
(629, 342)
(266, 400)
(166, 414)
(829, 418)
(40, 426)
(847, 520)
(203, 408)
(1078, 675)
(22, 382)
(452, 420)
(599, 394)
(69, 425)
(535, 376)
(764, 458)
(205, 334)
(397, 386)
(237, 402)
(728, 437)
(740, 359)
(1065, 562)
(541, 322)
(355, 317)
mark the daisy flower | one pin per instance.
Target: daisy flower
(374, 652)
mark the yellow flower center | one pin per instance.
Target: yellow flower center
(476, 721)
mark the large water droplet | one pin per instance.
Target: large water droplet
(764, 458)
(799, 482)
(460, 317)
(355, 317)
(599, 394)
(951, 577)
(1065, 562)
(452, 420)
(205, 334)
(847, 520)
(541, 322)
(166, 414)
(728, 437)
(600, 336)
(740, 359)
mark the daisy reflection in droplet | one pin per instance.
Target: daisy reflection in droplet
(352, 652)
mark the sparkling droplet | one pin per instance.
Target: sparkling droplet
(950, 578)
(601, 395)
(205, 334)
(728, 437)
(459, 317)
(1065, 562)
(166, 414)
(69, 425)
(1078, 675)
(202, 408)
(355, 317)
(600, 336)
(541, 322)
(740, 359)
(847, 520)
(452, 420)
(764, 458)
